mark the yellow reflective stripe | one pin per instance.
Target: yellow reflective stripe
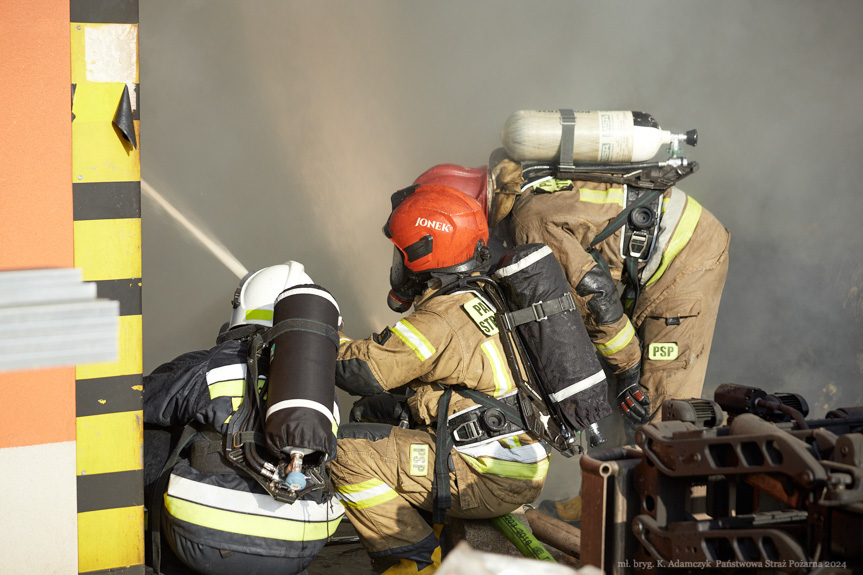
(501, 376)
(360, 487)
(609, 196)
(236, 402)
(343, 340)
(618, 342)
(414, 339)
(511, 469)
(665, 202)
(246, 524)
(232, 387)
(260, 314)
(366, 494)
(680, 238)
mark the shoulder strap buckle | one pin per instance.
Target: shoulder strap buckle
(468, 431)
(538, 313)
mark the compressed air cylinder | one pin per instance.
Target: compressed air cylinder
(599, 137)
(571, 374)
(301, 414)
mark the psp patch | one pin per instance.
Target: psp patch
(663, 351)
(482, 315)
(419, 459)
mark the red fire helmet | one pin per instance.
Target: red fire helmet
(470, 181)
(436, 227)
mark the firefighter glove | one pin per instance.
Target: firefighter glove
(632, 402)
(634, 405)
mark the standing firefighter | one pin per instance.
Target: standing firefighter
(477, 463)
(226, 503)
(647, 279)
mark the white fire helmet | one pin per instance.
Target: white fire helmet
(255, 298)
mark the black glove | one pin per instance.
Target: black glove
(632, 402)
(381, 408)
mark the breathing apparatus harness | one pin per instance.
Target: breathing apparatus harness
(243, 438)
(530, 409)
(643, 182)
(539, 415)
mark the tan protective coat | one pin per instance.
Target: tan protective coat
(452, 351)
(688, 290)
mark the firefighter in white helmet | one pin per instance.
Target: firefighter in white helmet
(386, 474)
(215, 517)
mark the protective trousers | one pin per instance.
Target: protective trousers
(384, 475)
(676, 315)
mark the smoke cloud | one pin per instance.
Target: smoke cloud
(284, 126)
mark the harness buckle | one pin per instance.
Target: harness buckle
(471, 430)
(538, 312)
(237, 440)
(638, 243)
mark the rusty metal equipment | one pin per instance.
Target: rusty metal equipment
(764, 491)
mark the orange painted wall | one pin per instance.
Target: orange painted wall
(36, 196)
(35, 135)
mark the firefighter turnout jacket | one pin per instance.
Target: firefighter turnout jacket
(680, 283)
(384, 473)
(216, 518)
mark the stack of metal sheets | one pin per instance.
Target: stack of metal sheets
(50, 317)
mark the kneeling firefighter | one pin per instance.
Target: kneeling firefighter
(246, 489)
(469, 453)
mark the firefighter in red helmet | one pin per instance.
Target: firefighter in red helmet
(386, 474)
(656, 346)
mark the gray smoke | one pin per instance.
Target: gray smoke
(282, 127)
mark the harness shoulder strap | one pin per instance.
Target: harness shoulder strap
(441, 496)
(630, 263)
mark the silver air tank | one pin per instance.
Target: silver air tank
(599, 137)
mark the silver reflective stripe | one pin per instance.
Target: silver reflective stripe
(252, 503)
(310, 291)
(492, 448)
(226, 373)
(301, 403)
(521, 264)
(667, 223)
(578, 387)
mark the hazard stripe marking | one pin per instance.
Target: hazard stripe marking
(104, 11)
(108, 395)
(125, 291)
(130, 346)
(106, 200)
(110, 490)
(110, 538)
(110, 442)
(108, 249)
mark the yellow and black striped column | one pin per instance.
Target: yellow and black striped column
(106, 178)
